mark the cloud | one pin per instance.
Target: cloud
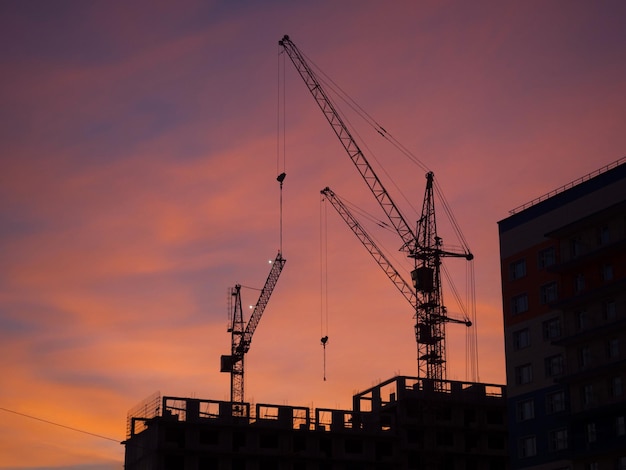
(139, 153)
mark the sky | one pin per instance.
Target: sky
(139, 148)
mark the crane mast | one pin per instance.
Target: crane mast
(241, 337)
(425, 248)
(431, 314)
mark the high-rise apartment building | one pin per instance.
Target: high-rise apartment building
(563, 267)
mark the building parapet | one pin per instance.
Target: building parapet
(397, 388)
(364, 417)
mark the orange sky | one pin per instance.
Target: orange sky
(138, 153)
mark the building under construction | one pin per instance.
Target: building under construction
(402, 423)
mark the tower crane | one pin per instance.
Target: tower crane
(241, 337)
(425, 247)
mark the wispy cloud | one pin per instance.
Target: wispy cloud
(138, 154)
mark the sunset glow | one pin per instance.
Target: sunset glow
(139, 153)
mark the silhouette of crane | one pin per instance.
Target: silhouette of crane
(241, 337)
(424, 247)
(241, 334)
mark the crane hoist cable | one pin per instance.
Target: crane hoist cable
(281, 178)
(281, 112)
(281, 147)
(323, 281)
(341, 94)
(242, 333)
(330, 85)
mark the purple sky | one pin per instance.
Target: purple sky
(138, 152)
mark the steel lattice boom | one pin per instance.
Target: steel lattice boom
(242, 338)
(370, 245)
(349, 144)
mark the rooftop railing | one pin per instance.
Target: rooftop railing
(567, 186)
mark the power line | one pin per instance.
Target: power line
(60, 425)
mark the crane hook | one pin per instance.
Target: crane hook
(324, 340)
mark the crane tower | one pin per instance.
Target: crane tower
(431, 315)
(241, 337)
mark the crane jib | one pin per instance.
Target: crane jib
(259, 308)
(368, 242)
(240, 337)
(350, 145)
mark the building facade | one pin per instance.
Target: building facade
(563, 269)
(402, 423)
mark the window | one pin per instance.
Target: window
(612, 348)
(517, 269)
(525, 410)
(239, 441)
(521, 339)
(617, 387)
(583, 321)
(554, 365)
(584, 356)
(620, 426)
(558, 439)
(591, 432)
(445, 438)
(608, 309)
(523, 374)
(444, 414)
(353, 446)
(576, 247)
(588, 397)
(547, 257)
(592, 466)
(552, 329)
(579, 283)
(495, 440)
(604, 235)
(621, 463)
(519, 304)
(494, 417)
(527, 446)
(268, 441)
(548, 293)
(555, 402)
(607, 272)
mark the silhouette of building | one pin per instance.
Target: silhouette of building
(403, 423)
(563, 267)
